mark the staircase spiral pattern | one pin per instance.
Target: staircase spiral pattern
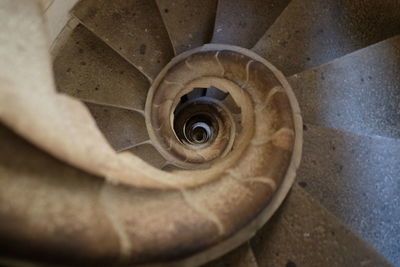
(172, 132)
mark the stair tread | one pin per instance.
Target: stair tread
(122, 128)
(303, 233)
(89, 70)
(241, 257)
(189, 22)
(243, 22)
(132, 28)
(148, 153)
(312, 32)
(346, 173)
(359, 92)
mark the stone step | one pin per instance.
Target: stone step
(241, 257)
(86, 68)
(304, 233)
(359, 92)
(133, 28)
(357, 178)
(189, 22)
(312, 32)
(243, 22)
(148, 153)
(122, 128)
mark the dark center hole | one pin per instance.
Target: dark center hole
(195, 121)
(204, 92)
(199, 129)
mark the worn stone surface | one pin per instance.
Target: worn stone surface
(243, 22)
(241, 257)
(132, 28)
(303, 233)
(122, 128)
(129, 211)
(86, 68)
(189, 23)
(357, 178)
(51, 212)
(148, 153)
(312, 32)
(359, 92)
(48, 208)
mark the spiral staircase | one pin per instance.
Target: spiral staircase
(187, 135)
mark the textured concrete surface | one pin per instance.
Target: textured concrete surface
(86, 68)
(132, 28)
(189, 23)
(359, 92)
(33, 188)
(312, 32)
(122, 128)
(243, 22)
(303, 233)
(148, 153)
(241, 257)
(357, 178)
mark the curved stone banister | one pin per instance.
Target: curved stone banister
(230, 183)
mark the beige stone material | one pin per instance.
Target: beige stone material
(132, 28)
(189, 23)
(184, 217)
(88, 69)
